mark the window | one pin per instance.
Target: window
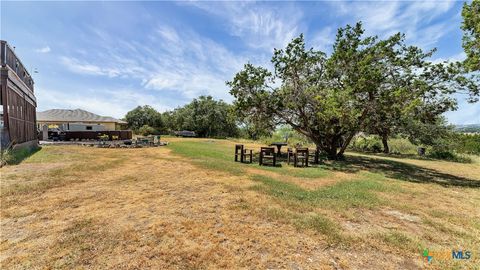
(89, 127)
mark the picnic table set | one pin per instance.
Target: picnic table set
(299, 156)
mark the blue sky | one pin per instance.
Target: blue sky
(108, 57)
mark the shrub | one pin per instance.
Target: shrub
(445, 153)
(285, 132)
(12, 156)
(366, 144)
(467, 143)
(402, 146)
(146, 130)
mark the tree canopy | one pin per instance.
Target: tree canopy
(471, 34)
(204, 115)
(144, 116)
(364, 83)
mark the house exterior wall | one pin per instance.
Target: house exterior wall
(107, 125)
(85, 127)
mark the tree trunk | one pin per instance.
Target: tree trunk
(386, 149)
(329, 149)
(332, 153)
(345, 144)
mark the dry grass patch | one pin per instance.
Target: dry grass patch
(169, 207)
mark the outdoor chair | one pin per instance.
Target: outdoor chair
(301, 156)
(267, 153)
(315, 156)
(290, 155)
(243, 153)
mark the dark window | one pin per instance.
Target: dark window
(89, 127)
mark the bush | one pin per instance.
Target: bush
(15, 156)
(366, 144)
(402, 146)
(441, 154)
(467, 143)
(147, 130)
(285, 132)
(448, 155)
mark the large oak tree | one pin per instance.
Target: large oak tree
(365, 82)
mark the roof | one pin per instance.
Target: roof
(77, 115)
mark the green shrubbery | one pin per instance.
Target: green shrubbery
(146, 130)
(286, 133)
(366, 144)
(445, 154)
(467, 143)
(454, 148)
(15, 156)
(402, 146)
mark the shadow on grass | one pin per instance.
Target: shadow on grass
(15, 157)
(459, 159)
(400, 171)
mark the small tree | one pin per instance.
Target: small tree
(144, 115)
(146, 130)
(206, 116)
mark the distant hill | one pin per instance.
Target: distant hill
(473, 128)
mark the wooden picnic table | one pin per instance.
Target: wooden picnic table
(279, 146)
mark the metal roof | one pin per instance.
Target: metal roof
(77, 115)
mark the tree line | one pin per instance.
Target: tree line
(204, 115)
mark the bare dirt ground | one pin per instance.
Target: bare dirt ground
(75, 207)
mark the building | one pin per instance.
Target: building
(78, 120)
(18, 102)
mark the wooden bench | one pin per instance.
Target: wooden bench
(315, 156)
(267, 153)
(241, 152)
(290, 155)
(301, 155)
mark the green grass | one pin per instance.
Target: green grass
(312, 221)
(217, 155)
(399, 240)
(45, 154)
(322, 225)
(209, 154)
(370, 182)
(343, 195)
(14, 157)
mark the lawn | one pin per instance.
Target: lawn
(188, 205)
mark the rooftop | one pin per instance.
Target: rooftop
(77, 115)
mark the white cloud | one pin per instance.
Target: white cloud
(259, 26)
(168, 33)
(196, 66)
(112, 67)
(171, 60)
(323, 39)
(45, 49)
(77, 66)
(414, 18)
